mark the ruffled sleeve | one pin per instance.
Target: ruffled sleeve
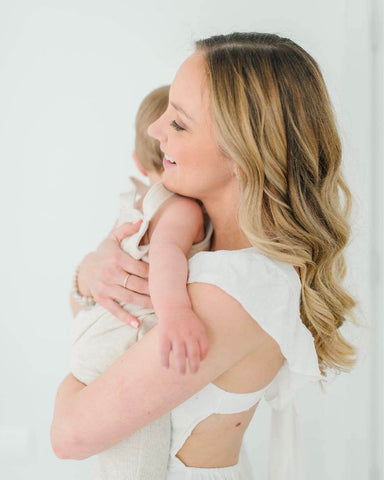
(270, 292)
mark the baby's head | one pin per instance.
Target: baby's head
(147, 155)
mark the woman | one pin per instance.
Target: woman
(251, 130)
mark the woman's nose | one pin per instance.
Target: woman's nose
(155, 130)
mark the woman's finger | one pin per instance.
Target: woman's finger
(126, 262)
(131, 265)
(119, 312)
(137, 284)
(125, 230)
(134, 283)
(128, 296)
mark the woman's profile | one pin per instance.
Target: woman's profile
(251, 131)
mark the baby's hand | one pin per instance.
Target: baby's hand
(184, 334)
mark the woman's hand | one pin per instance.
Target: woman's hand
(103, 272)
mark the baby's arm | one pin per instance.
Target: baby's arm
(175, 228)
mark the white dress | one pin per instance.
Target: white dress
(98, 339)
(269, 291)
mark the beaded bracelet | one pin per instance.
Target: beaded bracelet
(82, 299)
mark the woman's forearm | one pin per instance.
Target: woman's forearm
(61, 427)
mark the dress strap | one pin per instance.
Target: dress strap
(231, 402)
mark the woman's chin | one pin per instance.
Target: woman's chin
(169, 185)
(172, 187)
(184, 188)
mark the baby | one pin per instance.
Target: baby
(176, 227)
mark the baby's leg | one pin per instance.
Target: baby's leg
(141, 456)
(98, 339)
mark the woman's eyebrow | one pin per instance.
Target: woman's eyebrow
(178, 108)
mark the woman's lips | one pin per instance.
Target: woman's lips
(167, 163)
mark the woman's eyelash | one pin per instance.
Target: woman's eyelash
(176, 126)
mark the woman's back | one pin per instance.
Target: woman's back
(215, 440)
(208, 428)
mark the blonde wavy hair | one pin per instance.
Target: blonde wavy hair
(273, 116)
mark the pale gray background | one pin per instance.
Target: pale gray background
(72, 74)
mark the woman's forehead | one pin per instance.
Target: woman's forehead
(188, 89)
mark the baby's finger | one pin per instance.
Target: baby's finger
(204, 347)
(178, 349)
(119, 312)
(165, 350)
(193, 351)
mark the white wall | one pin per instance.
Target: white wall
(376, 201)
(72, 74)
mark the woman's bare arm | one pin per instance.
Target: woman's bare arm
(136, 389)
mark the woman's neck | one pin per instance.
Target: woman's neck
(227, 234)
(226, 237)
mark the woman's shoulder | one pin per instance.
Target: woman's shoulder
(246, 270)
(264, 287)
(257, 291)
(227, 323)
(265, 291)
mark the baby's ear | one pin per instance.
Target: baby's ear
(138, 164)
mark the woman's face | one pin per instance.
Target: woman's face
(186, 135)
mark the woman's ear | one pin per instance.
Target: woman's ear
(138, 164)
